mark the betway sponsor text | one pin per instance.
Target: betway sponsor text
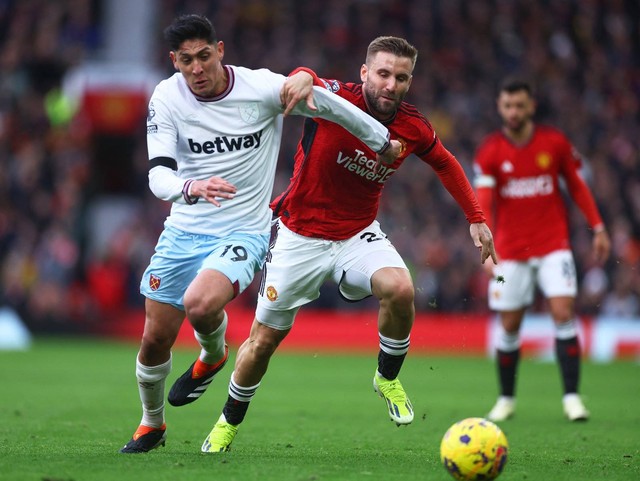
(226, 144)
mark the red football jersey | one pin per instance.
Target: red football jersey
(528, 216)
(335, 191)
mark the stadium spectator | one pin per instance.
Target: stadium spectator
(213, 135)
(326, 230)
(44, 164)
(520, 172)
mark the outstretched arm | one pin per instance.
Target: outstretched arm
(579, 190)
(483, 240)
(455, 181)
(389, 155)
(485, 194)
(298, 87)
(303, 93)
(601, 245)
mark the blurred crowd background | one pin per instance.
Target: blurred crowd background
(78, 223)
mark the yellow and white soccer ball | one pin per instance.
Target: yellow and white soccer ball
(474, 449)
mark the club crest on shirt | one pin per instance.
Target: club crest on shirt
(272, 294)
(154, 282)
(250, 112)
(543, 160)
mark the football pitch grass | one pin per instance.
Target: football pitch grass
(68, 405)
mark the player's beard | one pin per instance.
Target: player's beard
(379, 107)
(516, 125)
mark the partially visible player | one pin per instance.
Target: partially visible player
(520, 170)
(327, 229)
(213, 134)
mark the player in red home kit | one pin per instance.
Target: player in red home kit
(519, 172)
(327, 229)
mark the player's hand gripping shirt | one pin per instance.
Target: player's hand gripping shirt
(236, 136)
(529, 212)
(335, 190)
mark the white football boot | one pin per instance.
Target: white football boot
(504, 408)
(574, 408)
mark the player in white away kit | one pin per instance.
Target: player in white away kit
(213, 134)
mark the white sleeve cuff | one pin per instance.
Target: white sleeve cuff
(165, 184)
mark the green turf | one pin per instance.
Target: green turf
(67, 406)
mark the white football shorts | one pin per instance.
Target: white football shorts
(554, 274)
(180, 256)
(297, 266)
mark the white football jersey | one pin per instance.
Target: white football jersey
(236, 136)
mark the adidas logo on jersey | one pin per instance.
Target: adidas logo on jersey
(226, 144)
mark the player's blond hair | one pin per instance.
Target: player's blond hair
(393, 45)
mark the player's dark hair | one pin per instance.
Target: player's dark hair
(189, 27)
(394, 45)
(515, 84)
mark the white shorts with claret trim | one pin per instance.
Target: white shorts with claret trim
(554, 274)
(297, 266)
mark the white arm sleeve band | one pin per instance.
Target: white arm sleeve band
(166, 185)
(485, 181)
(336, 109)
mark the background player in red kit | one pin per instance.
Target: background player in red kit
(518, 177)
(327, 229)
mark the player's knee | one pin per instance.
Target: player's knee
(399, 293)
(200, 308)
(156, 343)
(404, 293)
(394, 287)
(562, 314)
